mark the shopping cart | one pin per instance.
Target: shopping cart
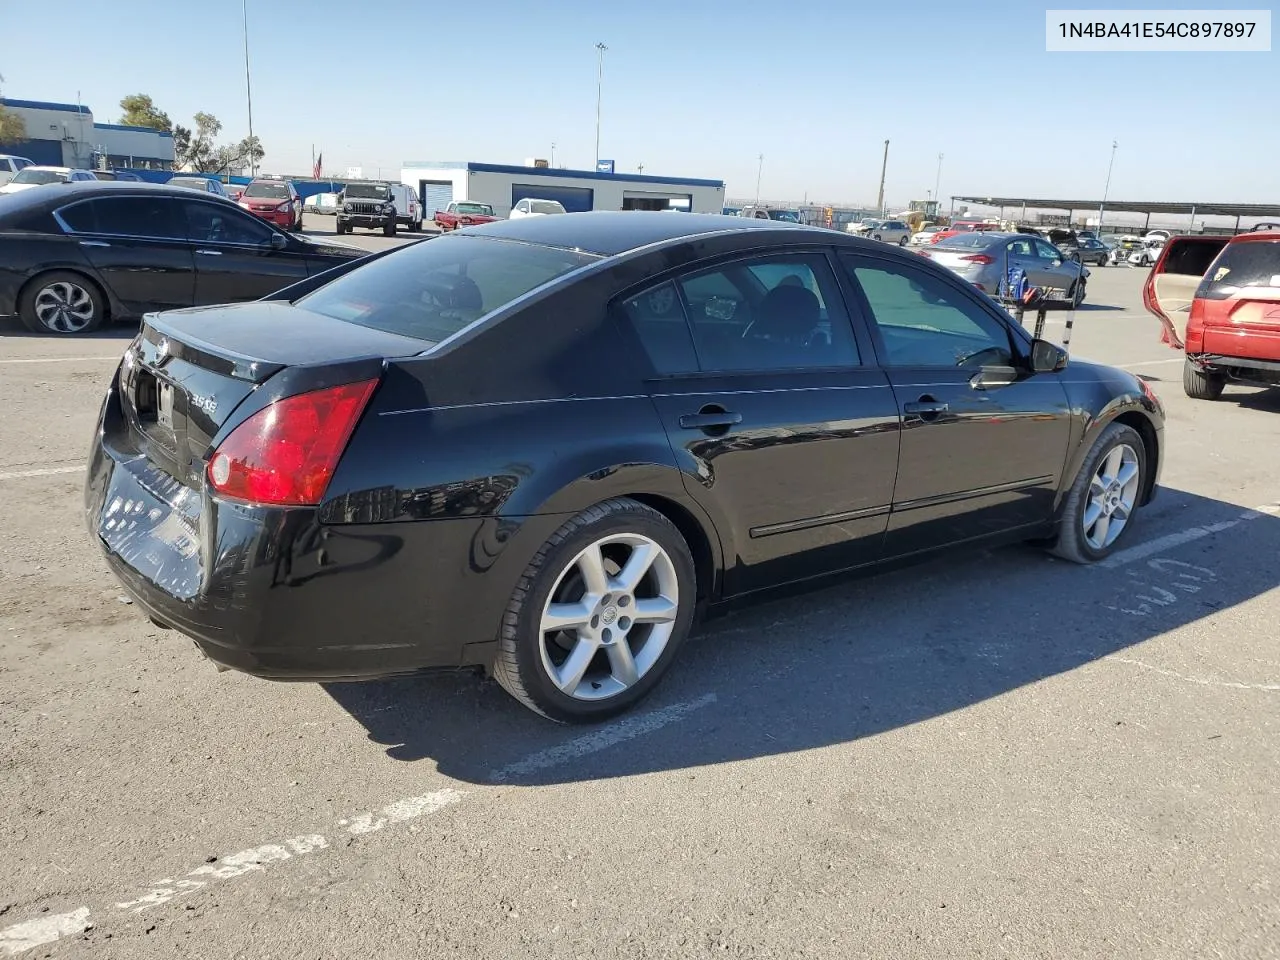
(1017, 294)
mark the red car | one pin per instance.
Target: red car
(963, 226)
(275, 201)
(1219, 301)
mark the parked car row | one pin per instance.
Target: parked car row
(985, 259)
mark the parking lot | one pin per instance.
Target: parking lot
(1000, 755)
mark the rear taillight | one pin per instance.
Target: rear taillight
(981, 258)
(286, 453)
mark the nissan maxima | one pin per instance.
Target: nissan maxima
(548, 446)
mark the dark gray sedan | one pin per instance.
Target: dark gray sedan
(984, 259)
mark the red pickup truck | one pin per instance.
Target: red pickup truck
(463, 213)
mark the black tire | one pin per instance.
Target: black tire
(875, 236)
(1069, 543)
(339, 229)
(518, 666)
(1199, 384)
(902, 241)
(27, 308)
(1078, 291)
(389, 229)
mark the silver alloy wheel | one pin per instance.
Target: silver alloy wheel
(64, 307)
(1113, 494)
(609, 617)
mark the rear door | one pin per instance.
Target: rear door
(784, 429)
(139, 247)
(1172, 283)
(1236, 312)
(237, 256)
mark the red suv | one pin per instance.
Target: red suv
(1219, 301)
(275, 201)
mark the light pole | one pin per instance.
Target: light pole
(600, 48)
(759, 174)
(937, 181)
(884, 169)
(1106, 189)
(248, 87)
(553, 154)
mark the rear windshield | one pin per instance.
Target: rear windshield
(1241, 265)
(433, 289)
(1191, 258)
(32, 175)
(271, 191)
(368, 191)
(198, 182)
(964, 240)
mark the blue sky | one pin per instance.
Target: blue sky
(695, 88)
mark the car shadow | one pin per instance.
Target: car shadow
(12, 328)
(1266, 398)
(1087, 307)
(848, 662)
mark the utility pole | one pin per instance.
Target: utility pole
(1107, 188)
(642, 168)
(600, 48)
(759, 174)
(937, 181)
(553, 154)
(248, 88)
(884, 168)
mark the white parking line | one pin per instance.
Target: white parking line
(36, 933)
(112, 357)
(1176, 539)
(1147, 363)
(597, 740)
(41, 472)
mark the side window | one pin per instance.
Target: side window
(924, 321)
(1046, 251)
(770, 313)
(153, 217)
(659, 321)
(221, 223)
(1022, 247)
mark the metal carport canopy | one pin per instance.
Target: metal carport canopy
(1132, 206)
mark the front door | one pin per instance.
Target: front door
(983, 440)
(138, 246)
(235, 260)
(783, 432)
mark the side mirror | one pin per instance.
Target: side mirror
(278, 241)
(1047, 357)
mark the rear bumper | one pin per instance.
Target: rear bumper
(1249, 369)
(276, 594)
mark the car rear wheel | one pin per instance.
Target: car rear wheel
(598, 615)
(1198, 384)
(62, 303)
(1102, 500)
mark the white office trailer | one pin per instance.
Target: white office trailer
(502, 187)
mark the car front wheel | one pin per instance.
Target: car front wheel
(62, 303)
(599, 614)
(1102, 500)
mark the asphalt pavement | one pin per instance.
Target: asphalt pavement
(992, 755)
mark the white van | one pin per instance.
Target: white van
(9, 165)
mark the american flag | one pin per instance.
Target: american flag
(315, 174)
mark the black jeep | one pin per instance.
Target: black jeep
(368, 205)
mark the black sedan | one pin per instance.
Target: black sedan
(73, 256)
(545, 446)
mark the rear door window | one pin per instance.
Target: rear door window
(222, 223)
(143, 217)
(434, 289)
(1191, 258)
(1255, 263)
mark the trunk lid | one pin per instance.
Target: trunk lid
(188, 372)
(1172, 283)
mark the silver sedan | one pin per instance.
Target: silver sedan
(984, 259)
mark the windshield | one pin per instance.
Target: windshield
(269, 191)
(545, 206)
(32, 175)
(432, 290)
(481, 208)
(368, 191)
(785, 215)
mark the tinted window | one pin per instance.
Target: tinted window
(221, 223)
(269, 191)
(431, 290)
(1192, 257)
(658, 319)
(771, 313)
(1252, 264)
(926, 322)
(127, 217)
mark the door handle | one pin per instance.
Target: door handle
(926, 408)
(209, 253)
(94, 243)
(703, 421)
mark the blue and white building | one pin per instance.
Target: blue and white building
(502, 187)
(66, 135)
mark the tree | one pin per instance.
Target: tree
(197, 148)
(140, 111)
(12, 127)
